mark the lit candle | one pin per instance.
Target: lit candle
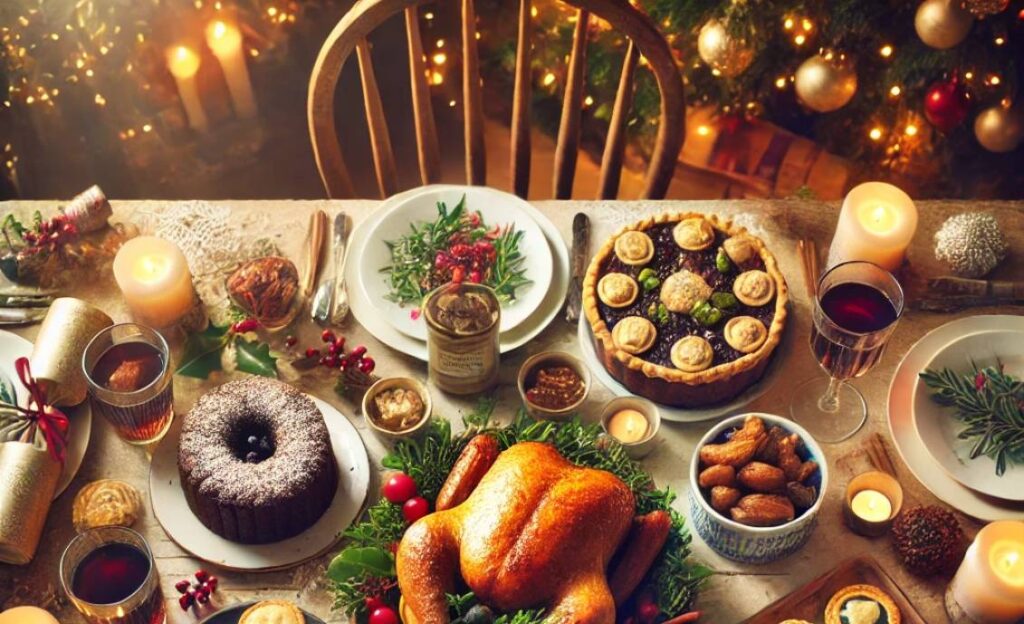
(184, 63)
(155, 281)
(871, 505)
(225, 41)
(876, 224)
(628, 426)
(989, 586)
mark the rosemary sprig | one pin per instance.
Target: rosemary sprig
(991, 405)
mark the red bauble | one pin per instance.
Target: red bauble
(946, 104)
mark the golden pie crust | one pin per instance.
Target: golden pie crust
(634, 248)
(862, 592)
(272, 612)
(746, 334)
(694, 233)
(682, 290)
(656, 381)
(754, 288)
(617, 290)
(692, 354)
(634, 334)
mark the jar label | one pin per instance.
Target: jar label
(471, 363)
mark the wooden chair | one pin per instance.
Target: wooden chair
(351, 34)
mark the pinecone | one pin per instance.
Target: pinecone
(929, 540)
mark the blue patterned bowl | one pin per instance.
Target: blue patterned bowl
(748, 544)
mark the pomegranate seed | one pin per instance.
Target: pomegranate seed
(182, 586)
(291, 341)
(311, 352)
(358, 352)
(328, 336)
(202, 576)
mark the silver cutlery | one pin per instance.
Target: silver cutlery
(330, 304)
(22, 316)
(578, 264)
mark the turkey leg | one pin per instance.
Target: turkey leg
(427, 562)
(471, 466)
(645, 540)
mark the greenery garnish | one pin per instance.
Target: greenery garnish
(991, 405)
(456, 247)
(203, 352)
(673, 580)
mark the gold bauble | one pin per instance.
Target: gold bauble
(825, 82)
(729, 55)
(999, 129)
(942, 24)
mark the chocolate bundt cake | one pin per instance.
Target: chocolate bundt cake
(255, 461)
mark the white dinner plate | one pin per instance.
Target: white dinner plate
(12, 347)
(182, 526)
(496, 208)
(908, 443)
(365, 313)
(938, 428)
(679, 414)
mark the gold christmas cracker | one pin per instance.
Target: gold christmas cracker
(57, 355)
(30, 479)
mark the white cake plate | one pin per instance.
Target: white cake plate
(12, 347)
(185, 529)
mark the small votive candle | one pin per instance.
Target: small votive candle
(155, 280)
(873, 500)
(628, 426)
(989, 585)
(876, 224)
(634, 422)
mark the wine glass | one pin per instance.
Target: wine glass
(856, 308)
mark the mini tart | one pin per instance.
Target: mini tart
(634, 334)
(740, 249)
(692, 354)
(272, 612)
(617, 290)
(634, 248)
(682, 290)
(836, 612)
(694, 234)
(746, 334)
(754, 288)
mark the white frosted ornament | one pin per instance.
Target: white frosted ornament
(971, 243)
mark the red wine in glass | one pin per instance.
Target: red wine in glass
(857, 309)
(110, 574)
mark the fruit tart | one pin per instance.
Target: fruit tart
(686, 309)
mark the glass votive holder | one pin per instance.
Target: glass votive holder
(873, 500)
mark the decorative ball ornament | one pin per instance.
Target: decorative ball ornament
(826, 81)
(946, 104)
(999, 128)
(727, 54)
(942, 24)
(971, 243)
(983, 8)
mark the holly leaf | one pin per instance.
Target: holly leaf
(11, 223)
(254, 357)
(354, 562)
(203, 351)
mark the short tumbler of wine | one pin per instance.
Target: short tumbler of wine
(109, 574)
(855, 311)
(130, 378)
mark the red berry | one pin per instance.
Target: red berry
(399, 488)
(458, 274)
(311, 352)
(328, 336)
(246, 325)
(383, 615)
(373, 603)
(202, 576)
(648, 612)
(331, 361)
(202, 597)
(358, 352)
(475, 276)
(415, 508)
(366, 365)
(291, 341)
(212, 583)
(182, 586)
(322, 361)
(186, 601)
(334, 348)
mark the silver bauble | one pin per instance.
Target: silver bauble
(942, 24)
(731, 56)
(826, 82)
(999, 128)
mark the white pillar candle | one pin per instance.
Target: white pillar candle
(155, 281)
(989, 586)
(876, 224)
(225, 41)
(184, 63)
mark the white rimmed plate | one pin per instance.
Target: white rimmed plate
(938, 428)
(908, 443)
(679, 414)
(496, 208)
(185, 529)
(367, 316)
(13, 347)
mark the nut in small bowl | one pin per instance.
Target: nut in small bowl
(634, 423)
(757, 482)
(397, 407)
(553, 385)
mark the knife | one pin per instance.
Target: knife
(339, 309)
(21, 316)
(578, 264)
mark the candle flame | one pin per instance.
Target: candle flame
(1007, 560)
(151, 268)
(219, 29)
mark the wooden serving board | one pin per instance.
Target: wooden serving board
(808, 602)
